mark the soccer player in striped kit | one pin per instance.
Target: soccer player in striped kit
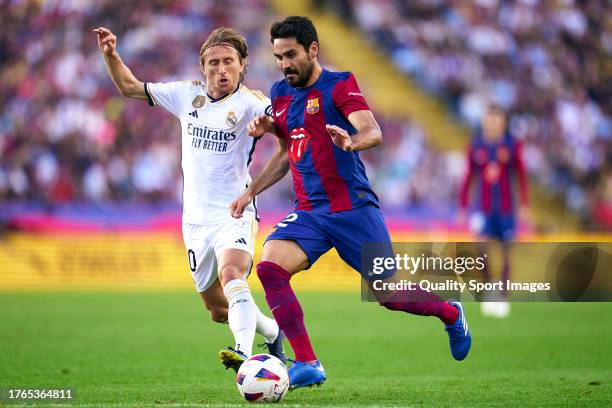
(322, 121)
(495, 161)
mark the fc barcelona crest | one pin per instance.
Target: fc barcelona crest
(231, 119)
(312, 106)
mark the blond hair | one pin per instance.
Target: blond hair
(231, 38)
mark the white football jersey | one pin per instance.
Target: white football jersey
(216, 147)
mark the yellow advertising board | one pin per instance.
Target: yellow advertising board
(157, 261)
(128, 261)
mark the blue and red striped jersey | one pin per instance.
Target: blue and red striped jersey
(325, 178)
(496, 166)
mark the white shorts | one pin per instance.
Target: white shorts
(204, 242)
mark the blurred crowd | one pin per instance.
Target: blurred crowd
(66, 135)
(546, 62)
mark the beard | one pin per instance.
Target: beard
(302, 77)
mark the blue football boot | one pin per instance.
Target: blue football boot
(459, 334)
(306, 374)
(231, 358)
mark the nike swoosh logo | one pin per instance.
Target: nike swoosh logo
(278, 113)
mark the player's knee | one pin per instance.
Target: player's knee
(286, 254)
(229, 273)
(272, 276)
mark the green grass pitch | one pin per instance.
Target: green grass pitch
(160, 350)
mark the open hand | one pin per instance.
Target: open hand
(260, 125)
(340, 137)
(238, 205)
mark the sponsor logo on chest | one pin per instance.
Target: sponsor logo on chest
(205, 138)
(300, 139)
(211, 128)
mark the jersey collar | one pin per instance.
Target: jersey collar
(221, 99)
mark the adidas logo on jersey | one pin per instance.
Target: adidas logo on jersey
(241, 241)
(194, 114)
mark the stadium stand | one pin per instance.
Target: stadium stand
(68, 139)
(544, 62)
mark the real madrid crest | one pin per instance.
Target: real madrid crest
(199, 101)
(231, 119)
(312, 106)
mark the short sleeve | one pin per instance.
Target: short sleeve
(273, 90)
(273, 93)
(170, 95)
(262, 104)
(347, 96)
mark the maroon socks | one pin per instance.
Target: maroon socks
(429, 305)
(286, 308)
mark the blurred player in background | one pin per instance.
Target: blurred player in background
(495, 161)
(322, 120)
(216, 153)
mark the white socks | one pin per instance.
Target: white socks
(267, 327)
(245, 318)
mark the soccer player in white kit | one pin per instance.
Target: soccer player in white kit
(216, 153)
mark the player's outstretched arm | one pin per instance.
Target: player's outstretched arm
(125, 82)
(368, 132)
(274, 170)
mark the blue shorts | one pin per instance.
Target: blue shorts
(347, 231)
(499, 226)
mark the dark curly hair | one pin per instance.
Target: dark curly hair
(301, 28)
